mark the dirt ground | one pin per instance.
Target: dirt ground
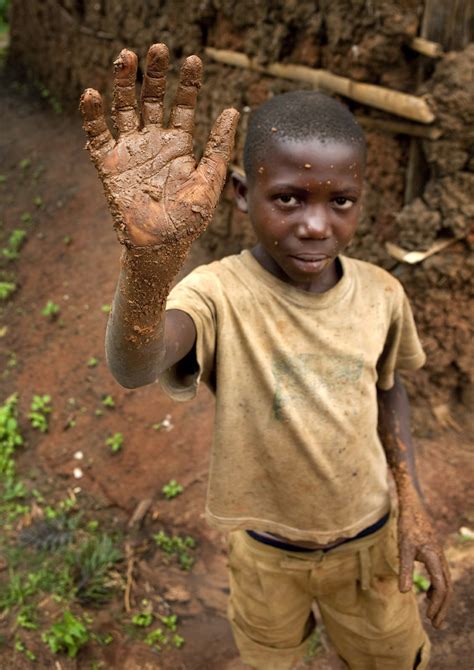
(71, 257)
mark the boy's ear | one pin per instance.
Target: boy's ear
(239, 182)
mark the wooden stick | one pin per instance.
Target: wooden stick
(402, 104)
(400, 127)
(128, 587)
(426, 47)
(413, 257)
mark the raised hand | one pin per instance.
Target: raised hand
(157, 195)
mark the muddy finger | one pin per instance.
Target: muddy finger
(94, 123)
(407, 559)
(213, 164)
(154, 84)
(182, 114)
(125, 102)
(439, 588)
(441, 615)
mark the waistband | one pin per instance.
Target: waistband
(286, 546)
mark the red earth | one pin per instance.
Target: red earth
(71, 257)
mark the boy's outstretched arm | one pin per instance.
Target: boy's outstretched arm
(160, 202)
(416, 536)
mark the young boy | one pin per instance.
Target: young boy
(301, 347)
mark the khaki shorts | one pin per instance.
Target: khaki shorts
(370, 623)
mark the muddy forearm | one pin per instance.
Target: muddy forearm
(394, 431)
(135, 345)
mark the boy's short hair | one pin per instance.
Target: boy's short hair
(299, 116)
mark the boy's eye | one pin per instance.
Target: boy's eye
(287, 200)
(343, 203)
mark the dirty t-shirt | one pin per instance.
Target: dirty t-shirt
(295, 374)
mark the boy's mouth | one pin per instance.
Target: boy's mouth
(310, 262)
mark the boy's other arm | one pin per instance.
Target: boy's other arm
(416, 535)
(160, 201)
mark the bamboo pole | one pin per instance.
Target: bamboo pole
(400, 127)
(426, 47)
(395, 102)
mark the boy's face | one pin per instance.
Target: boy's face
(304, 202)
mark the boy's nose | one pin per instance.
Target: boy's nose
(315, 224)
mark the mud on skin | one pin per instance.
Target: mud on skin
(159, 199)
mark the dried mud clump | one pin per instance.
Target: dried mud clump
(446, 206)
(442, 287)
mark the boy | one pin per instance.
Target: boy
(300, 346)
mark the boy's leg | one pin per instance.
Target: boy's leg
(270, 606)
(372, 625)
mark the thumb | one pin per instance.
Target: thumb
(212, 167)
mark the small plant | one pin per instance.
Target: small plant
(172, 489)
(26, 217)
(50, 310)
(115, 442)
(421, 583)
(177, 546)
(15, 242)
(93, 362)
(21, 647)
(10, 438)
(39, 409)
(171, 622)
(3, 178)
(108, 401)
(106, 309)
(142, 619)
(24, 164)
(6, 289)
(38, 201)
(68, 635)
(91, 565)
(25, 619)
(67, 239)
(156, 638)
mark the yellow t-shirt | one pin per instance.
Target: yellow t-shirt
(295, 449)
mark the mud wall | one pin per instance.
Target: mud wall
(75, 41)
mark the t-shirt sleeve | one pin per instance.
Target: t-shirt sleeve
(195, 295)
(402, 350)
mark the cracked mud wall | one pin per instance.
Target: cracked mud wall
(68, 45)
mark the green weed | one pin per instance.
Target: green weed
(26, 217)
(156, 638)
(421, 583)
(68, 635)
(172, 489)
(26, 618)
(10, 439)
(108, 401)
(93, 362)
(115, 442)
(39, 409)
(22, 648)
(24, 164)
(178, 547)
(6, 289)
(91, 564)
(106, 309)
(142, 619)
(50, 310)
(38, 201)
(15, 242)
